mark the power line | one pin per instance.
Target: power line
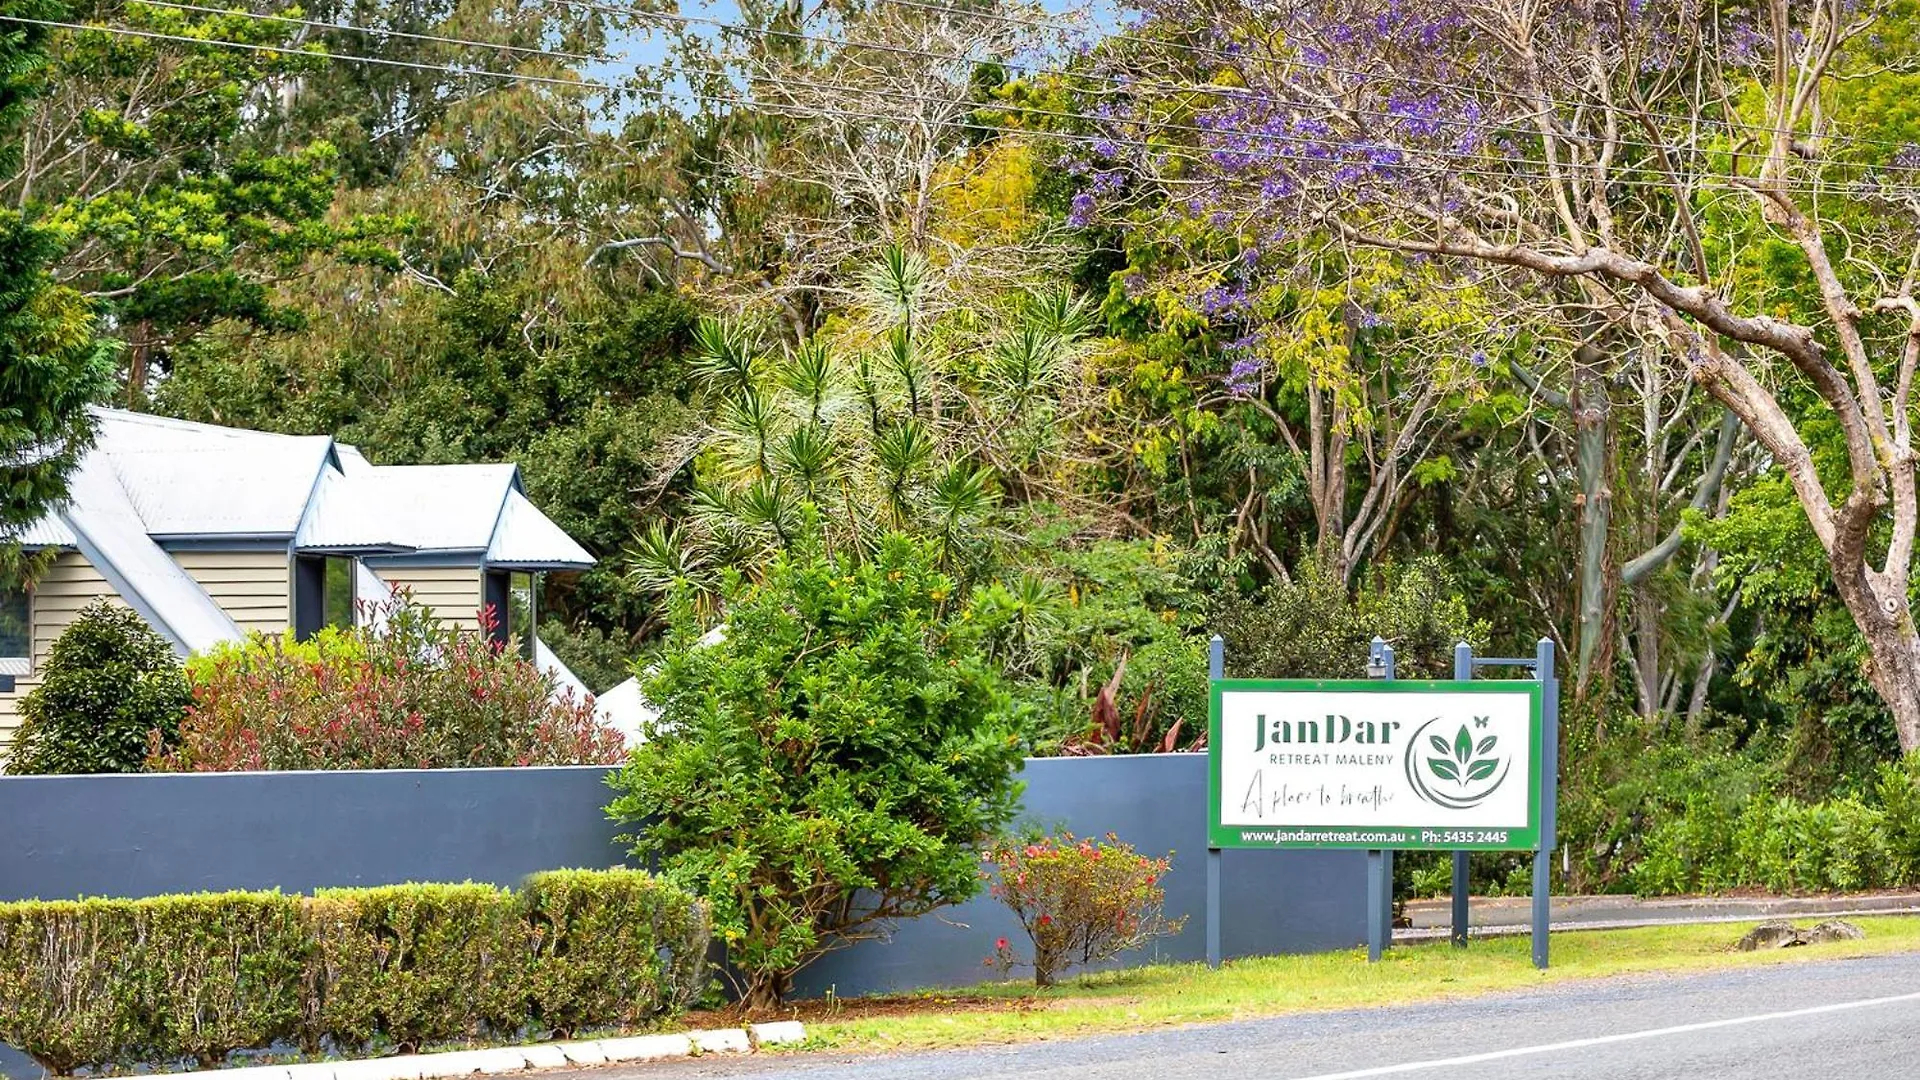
(1169, 151)
(1209, 132)
(1411, 80)
(1231, 93)
(375, 31)
(308, 53)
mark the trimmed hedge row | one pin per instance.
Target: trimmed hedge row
(124, 982)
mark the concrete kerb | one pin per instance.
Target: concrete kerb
(512, 1059)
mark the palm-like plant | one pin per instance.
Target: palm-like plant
(887, 420)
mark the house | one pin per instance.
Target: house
(212, 532)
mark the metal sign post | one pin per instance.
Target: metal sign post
(1216, 671)
(1379, 860)
(1541, 665)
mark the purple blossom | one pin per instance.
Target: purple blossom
(1080, 213)
(1243, 379)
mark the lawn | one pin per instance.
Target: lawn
(1174, 994)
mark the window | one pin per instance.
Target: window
(512, 596)
(16, 630)
(520, 611)
(322, 593)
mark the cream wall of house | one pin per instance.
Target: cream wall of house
(449, 593)
(70, 584)
(252, 587)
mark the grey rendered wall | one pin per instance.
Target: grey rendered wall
(1271, 902)
(64, 837)
(69, 836)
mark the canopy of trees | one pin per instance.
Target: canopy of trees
(1594, 320)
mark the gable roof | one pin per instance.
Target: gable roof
(149, 481)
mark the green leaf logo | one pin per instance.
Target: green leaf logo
(1460, 771)
(1464, 761)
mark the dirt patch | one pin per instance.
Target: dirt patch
(818, 1010)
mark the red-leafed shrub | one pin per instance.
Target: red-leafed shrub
(418, 693)
(1080, 901)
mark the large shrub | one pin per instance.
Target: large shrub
(834, 763)
(1311, 627)
(111, 687)
(118, 983)
(418, 693)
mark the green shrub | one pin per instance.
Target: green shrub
(413, 964)
(1081, 902)
(119, 983)
(112, 686)
(68, 992)
(219, 972)
(833, 764)
(615, 947)
(418, 693)
(1781, 845)
(1311, 627)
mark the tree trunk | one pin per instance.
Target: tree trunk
(139, 357)
(1887, 624)
(1587, 399)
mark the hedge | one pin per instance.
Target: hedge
(119, 983)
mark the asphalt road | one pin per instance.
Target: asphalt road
(1824, 1020)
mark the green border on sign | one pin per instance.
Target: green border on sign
(1370, 837)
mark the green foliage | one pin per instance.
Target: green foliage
(111, 690)
(866, 420)
(1312, 627)
(95, 982)
(51, 364)
(117, 983)
(1081, 902)
(586, 403)
(219, 973)
(417, 692)
(413, 964)
(832, 764)
(168, 213)
(1718, 830)
(610, 947)
(601, 660)
(68, 991)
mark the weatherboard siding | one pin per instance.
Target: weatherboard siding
(450, 593)
(250, 586)
(69, 585)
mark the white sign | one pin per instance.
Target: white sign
(1381, 764)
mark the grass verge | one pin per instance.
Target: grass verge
(1175, 994)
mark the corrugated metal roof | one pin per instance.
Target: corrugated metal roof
(343, 518)
(186, 479)
(149, 478)
(436, 507)
(48, 532)
(626, 709)
(112, 536)
(524, 538)
(564, 680)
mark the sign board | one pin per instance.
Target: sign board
(1406, 764)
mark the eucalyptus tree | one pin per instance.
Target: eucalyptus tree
(820, 136)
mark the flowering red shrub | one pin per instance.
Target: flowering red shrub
(418, 694)
(1080, 901)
